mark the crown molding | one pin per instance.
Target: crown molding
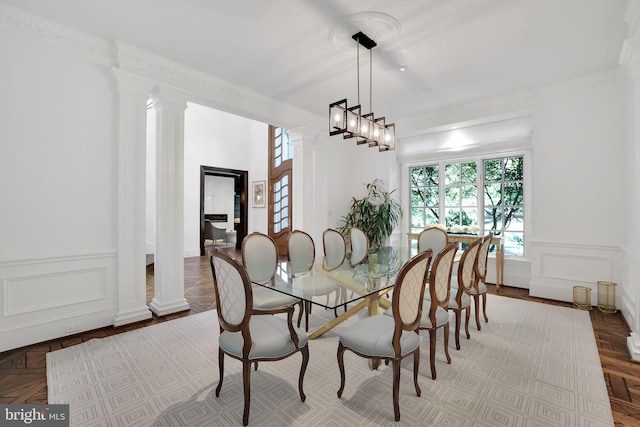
(206, 89)
(22, 21)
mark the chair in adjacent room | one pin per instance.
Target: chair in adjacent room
(394, 337)
(359, 246)
(260, 258)
(213, 233)
(437, 316)
(461, 286)
(480, 286)
(432, 238)
(251, 334)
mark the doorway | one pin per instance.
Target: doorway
(237, 215)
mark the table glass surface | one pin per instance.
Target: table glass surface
(345, 284)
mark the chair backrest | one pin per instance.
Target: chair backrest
(432, 238)
(359, 246)
(260, 257)
(467, 267)
(483, 254)
(440, 279)
(335, 249)
(302, 252)
(408, 295)
(233, 292)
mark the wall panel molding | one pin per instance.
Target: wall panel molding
(46, 298)
(557, 267)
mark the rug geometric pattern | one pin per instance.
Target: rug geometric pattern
(531, 365)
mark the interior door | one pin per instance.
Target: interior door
(280, 174)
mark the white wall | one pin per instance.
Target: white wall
(218, 139)
(59, 175)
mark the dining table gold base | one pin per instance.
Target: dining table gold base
(373, 303)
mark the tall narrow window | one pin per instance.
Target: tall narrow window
(280, 173)
(461, 194)
(425, 197)
(504, 201)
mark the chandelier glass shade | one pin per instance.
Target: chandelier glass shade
(351, 123)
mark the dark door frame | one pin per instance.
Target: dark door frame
(241, 185)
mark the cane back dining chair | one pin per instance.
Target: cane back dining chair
(251, 334)
(437, 316)
(461, 286)
(392, 337)
(432, 238)
(260, 259)
(480, 285)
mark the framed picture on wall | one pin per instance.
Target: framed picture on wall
(259, 194)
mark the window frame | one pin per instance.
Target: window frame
(479, 159)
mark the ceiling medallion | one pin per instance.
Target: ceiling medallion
(381, 27)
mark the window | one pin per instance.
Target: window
(472, 196)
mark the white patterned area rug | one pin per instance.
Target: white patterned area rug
(531, 365)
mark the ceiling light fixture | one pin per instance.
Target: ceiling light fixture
(351, 123)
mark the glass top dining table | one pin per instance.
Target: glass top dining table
(362, 285)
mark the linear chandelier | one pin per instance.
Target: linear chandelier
(351, 123)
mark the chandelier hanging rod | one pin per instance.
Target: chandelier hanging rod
(350, 122)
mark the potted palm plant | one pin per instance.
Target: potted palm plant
(377, 214)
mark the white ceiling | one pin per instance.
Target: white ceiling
(455, 50)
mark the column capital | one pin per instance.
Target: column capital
(133, 83)
(165, 95)
(303, 134)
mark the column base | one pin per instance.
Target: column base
(132, 316)
(633, 347)
(162, 309)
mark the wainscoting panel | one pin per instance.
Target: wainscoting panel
(557, 267)
(49, 298)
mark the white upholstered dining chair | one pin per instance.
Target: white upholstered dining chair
(437, 316)
(461, 286)
(260, 259)
(432, 238)
(394, 337)
(251, 334)
(479, 289)
(359, 246)
(335, 249)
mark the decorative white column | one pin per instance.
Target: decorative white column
(630, 56)
(309, 187)
(132, 281)
(169, 298)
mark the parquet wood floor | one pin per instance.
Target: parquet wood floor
(23, 371)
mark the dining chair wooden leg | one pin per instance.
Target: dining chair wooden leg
(301, 304)
(220, 370)
(307, 310)
(476, 304)
(396, 389)
(446, 342)
(303, 369)
(458, 316)
(466, 321)
(484, 307)
(341, 367)
(246, 381)
(416, 369)
(432, 352)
